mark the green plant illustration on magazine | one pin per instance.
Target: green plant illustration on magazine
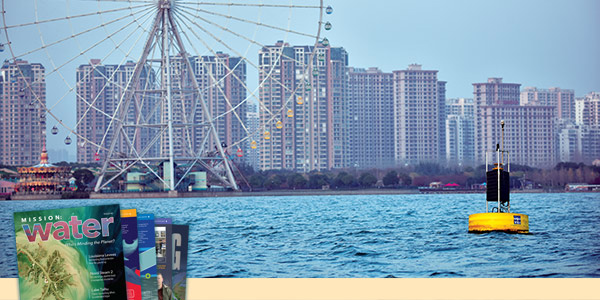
(72, 253)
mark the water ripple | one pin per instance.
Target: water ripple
(365, 236)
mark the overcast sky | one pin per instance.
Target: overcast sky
(536, 43)
(541, 43)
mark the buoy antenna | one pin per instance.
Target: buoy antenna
(502, 125)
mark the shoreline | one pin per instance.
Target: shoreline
(272, 193)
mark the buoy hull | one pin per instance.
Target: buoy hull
(507, 222)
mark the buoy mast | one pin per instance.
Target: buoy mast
(498, 179)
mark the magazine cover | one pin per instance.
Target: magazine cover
(71, 253)
(131, 253)
(163, 255)
(179, 237)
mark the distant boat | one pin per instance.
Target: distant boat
(499, 216)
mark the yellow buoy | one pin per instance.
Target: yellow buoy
(267, 135)
(253, 145)
(279, 125)
(507, 222)
(498, 194)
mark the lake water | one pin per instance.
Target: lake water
(365, 236)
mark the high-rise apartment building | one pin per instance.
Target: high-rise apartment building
(303, 114)
(22, 114)
(563, 100)
(419, 116)
(221, 80)
(370, 118)
(580, 142)
(590, 144)
(460, 131)
(587, 110)
(570, 143)
(529, 131)
(460, 107)
(99, 91)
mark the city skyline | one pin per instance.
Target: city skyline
(539, 136)
(523, 42)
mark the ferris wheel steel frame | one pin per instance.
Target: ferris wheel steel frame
(165, 36)
(164, 28)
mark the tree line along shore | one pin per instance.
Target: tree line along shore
(409, 179)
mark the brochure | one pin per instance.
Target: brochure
(132, 255)
(147, 247)
(163, 253)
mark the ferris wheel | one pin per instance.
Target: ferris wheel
(161, 86)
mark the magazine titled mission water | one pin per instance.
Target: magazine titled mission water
(72, 253)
